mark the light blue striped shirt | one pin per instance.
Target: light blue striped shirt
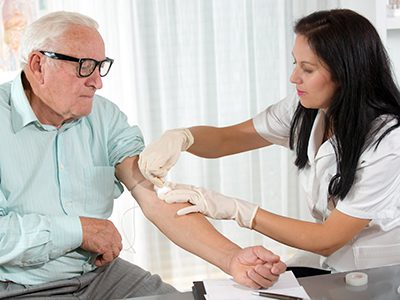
(48, 178)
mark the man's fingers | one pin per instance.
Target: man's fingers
(266, 255)
(116, 250)
(107, 257)
(278, 268)
(103, 259)
(260, 279)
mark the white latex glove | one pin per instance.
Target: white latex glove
(160, 156)
(210, 203)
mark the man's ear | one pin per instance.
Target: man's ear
(35, 66)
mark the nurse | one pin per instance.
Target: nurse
(343, 124)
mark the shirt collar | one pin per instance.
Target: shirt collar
(318, 148)
(22, 113)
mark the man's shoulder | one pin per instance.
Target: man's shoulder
(102, 105)
(101, 100)
(5, 94)
(5, 90)
(104, 112)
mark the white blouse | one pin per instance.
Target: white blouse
(374, 195)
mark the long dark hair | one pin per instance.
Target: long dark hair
(359, 65)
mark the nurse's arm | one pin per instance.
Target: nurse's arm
(213, 142)
(324, 238)
(378, 176)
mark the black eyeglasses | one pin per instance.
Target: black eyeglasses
(86, 65)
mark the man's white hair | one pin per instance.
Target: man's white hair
(44, 32)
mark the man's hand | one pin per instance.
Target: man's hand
(160, 156)
(256, 267)
(101, 237)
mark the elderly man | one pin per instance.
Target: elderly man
(65, 152)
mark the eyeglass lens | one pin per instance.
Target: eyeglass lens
(87, 66)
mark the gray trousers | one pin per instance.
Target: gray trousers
(118, 280)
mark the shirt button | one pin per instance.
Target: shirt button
(61, 166)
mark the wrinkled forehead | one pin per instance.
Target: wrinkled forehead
(81, 41)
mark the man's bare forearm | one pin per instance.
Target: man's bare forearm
(193, 232)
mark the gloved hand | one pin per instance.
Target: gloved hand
(210, 203)
(160, 156)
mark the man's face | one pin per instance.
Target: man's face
(63, 94)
